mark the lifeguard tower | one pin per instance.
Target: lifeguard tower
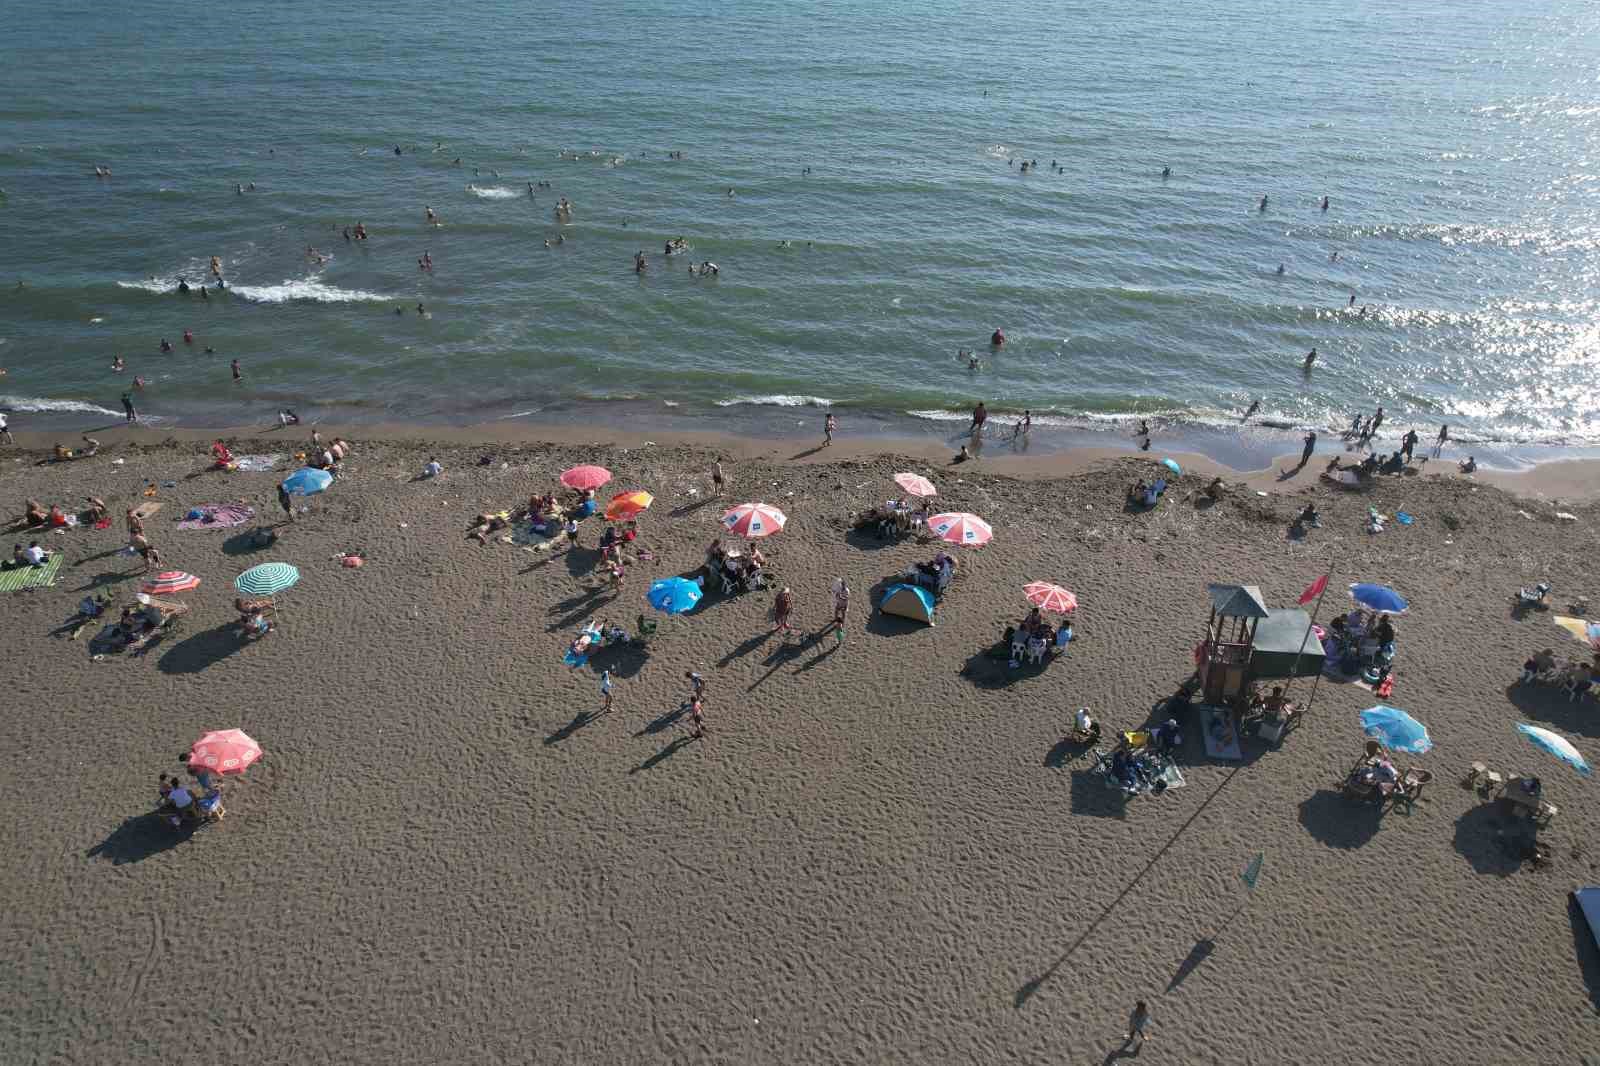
(1224, 655)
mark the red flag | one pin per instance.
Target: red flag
(1314, 590)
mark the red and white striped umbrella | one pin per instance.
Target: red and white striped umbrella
(958, 527)
(916, 484)
(169, 582)
(754, 520)
(224, 751)
(1048, 597)
(583, 478)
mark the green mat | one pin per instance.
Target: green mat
(30, 577)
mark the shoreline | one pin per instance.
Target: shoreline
(1044, 455)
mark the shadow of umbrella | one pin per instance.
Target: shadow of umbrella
(194, 654)
(140, 837)
(1493, 841)
(1338, 822)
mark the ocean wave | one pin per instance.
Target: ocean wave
(155, 285)
(494, 192)
(310, 289)
(37, 404)
(780, 400)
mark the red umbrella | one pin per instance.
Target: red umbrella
(224, 751)
(169, 582)
(754, 520)
(958, 527)
(1048, 597)
(585, 477)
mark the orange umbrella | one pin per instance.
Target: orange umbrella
(628, 504)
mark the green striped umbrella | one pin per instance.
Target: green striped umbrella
(268, 579)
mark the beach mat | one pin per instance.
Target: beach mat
(1226, 746)
(219, 516)
(145, 510)
(258, 463)
(30, 577)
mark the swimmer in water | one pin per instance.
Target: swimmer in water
(1166, 172)
(204, 295)
(210, 350)
(235, 368)
(1334, 258)
(188, 336)
(138, 383)
(433, 219)
(1144, 428)
(238, 190)
(397, 150)
(117, 364)
(1263, 206)
(1324, 203)
(420, 311)
(166, 345)
(1255, 405)
(1280, 270)
(1311, 357)
(183, 286)
(216, 267)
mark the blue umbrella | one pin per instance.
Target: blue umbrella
(1395, 729)
(674, 595)
(307, 481)
(1379, 598)
(1172, 465)
(1556, 745)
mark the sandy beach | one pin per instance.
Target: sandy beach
(884, 850)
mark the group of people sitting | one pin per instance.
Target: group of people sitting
(1035, 638)
(253, 621)
(895, 518)
(1144, 493)
(1361, 641)
(325, 458)
(934, 575)
(32, 555)
(1273, 705)
(64, 454)
(739, 571)
(139, 623)
(189, 801)
(1140, 759)
(1576, 678)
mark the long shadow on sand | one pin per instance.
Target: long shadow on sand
(784, 654)
(991, 669)
(1549, 704)
(138, 838)
(746, 646)
(664, 721)
(1493, 841)
(107, 577)
(678, 744)
(194, 654)
(579, 720)
(1338, 822)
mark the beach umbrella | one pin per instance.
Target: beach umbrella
(169, 582)
(1172, 465)
(628, 504)
(1556, 745)
(1379, 598)
(1583, 629)
(754, 520)
(674, 595)
(1395, 729)
(307, 481)
(1048, 597)
(958, 527)
(224, 751)
(268, 579)
(916, 484)
(583, 478)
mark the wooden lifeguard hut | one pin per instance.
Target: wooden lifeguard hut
(1224, 655)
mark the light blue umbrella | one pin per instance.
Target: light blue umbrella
(1379, 598)
(1172, 465)
(674, 595)
(307, 481)
(1395, 729)
(1556, 745)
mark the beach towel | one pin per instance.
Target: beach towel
(30, 577)
(145, 510)
(1219, 733)
(218, 516)
(526, 536)
(258, 463)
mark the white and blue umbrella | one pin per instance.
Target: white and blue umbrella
(674, 595)
(307, 481)
(1395, 729)
(1379, 598)
(1556, 745)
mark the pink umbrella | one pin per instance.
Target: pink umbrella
(169, 583)
(224, 751)
(754, 520)
(915, 484)
(585, 477)
(958, 527)
(1048, 597)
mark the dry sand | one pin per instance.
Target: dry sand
(884, 852)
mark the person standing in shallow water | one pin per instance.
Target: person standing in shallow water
(828, 426)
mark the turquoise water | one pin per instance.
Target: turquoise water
(1456, 143)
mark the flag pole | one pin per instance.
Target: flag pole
(1299, 651)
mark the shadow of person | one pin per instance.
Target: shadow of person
(579, 720)
(678, 744)
(140, 837)
(1198, 954)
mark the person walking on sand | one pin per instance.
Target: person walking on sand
(1311, 446)
(782, 608)
(697, 717)
(828, 426)
(605, 688)
(841, 600)
(1444, 438)
(127, 407)
(697, 684)
(1407, 443)
(284, 501)
(719, 480)
(1137, 1023)
(980, 415)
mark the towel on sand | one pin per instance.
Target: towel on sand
(219, 516)
(30, 577)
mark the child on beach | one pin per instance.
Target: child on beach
(697, 718)
(571, 528)
(782, 607)
(605, 687)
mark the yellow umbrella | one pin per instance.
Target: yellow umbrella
(1584, 630)
(628, 504)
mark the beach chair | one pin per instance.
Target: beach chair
(646, 628)
(1410, 789)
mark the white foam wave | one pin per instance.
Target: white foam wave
(311, 289)
(149, 285)
(781, 400)
(494, 192)
(34, 403)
